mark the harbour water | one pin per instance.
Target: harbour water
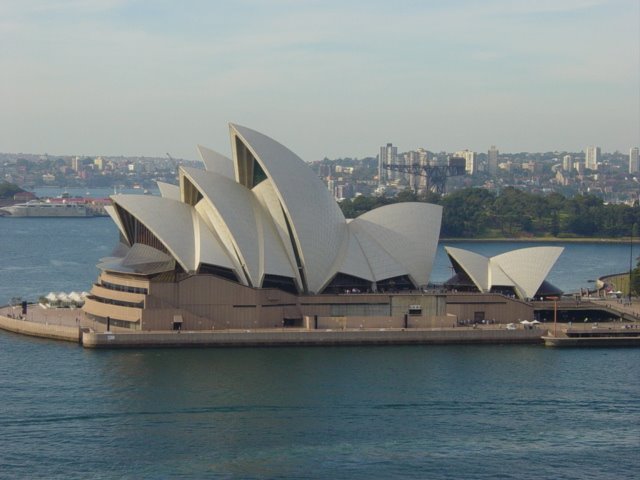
(379, 412)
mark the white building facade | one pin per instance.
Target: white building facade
(634, 160)
(592, 157)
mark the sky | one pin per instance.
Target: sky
(325, 78)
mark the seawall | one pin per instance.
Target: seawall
(37, 329)
(65, 329)
(300, 337)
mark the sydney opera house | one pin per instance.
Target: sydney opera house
(519, 273)
(257, 242)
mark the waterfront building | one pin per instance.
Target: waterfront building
(592, 157)
(520, 273)
(258, 241)
(389, 155)
(493, 160)
(634, 160)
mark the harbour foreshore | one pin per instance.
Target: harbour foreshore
(70, 325)
(55, 331)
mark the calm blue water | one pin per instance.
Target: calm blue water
(379, 412)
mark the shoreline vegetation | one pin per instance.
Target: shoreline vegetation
(622, 240)
(512, 215)
(517, 215)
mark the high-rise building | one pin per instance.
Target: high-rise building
(493, 160)
(331, 185)
(470, 161)
(567, 163)
(76, 164)
(634, 160)
(591, 157)
(388, 154)
(411, 158)
(424, 158)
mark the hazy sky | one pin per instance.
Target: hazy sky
(326, 78)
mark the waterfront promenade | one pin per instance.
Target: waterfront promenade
(71, 325)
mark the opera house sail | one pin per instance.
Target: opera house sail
(254, 240)
(520, 273)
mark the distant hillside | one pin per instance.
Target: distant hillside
(8, 190)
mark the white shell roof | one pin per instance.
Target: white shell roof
(216, 162)
(528, 267)
(474, 264)
(236, 212)
(497, 277)
(268, 199)
(169, 220)
(209, 248)
(141, 259)
(381, 262)
(407, 232)
(315, 218)
(524, 268)
(354, 261)
(168, 190)
(139, 254)
(110, 209)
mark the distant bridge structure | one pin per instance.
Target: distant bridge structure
(436, 174)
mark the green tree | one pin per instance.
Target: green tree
(407, 195)
(555, 224)
(8, 190)
(466, 212)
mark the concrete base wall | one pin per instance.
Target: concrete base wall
(56, 332)
(365, 322)
(293, 337)
(492, 307)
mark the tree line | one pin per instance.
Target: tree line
(480, 213)
(8, 190)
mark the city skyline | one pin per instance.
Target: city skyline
(115, 77)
